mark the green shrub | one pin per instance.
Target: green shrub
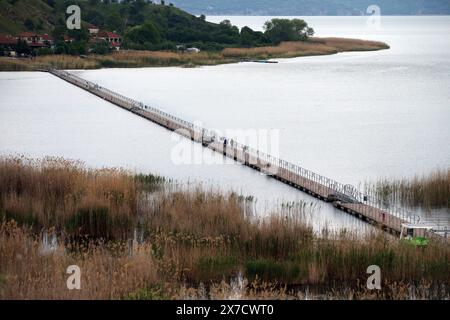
(146, 294)
(271, 269)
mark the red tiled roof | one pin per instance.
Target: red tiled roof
(7, 39)
(108, 34)
(47, 37)
(91, 26)
(27, 34)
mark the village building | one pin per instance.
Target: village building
(35, 40)
(93, 30)
(7, 40)
(8, 45)
(113, 39)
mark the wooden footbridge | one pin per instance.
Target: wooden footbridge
(343, 197)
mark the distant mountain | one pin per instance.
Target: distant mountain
(313, 7)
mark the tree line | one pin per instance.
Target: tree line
(148, 26)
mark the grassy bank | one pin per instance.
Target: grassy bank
(133, 239)
(427, 191)
(312, 47)
(137, 59)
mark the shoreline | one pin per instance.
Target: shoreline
(143, 59)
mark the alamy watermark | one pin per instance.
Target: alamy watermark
(74, 280)
(374, 20)
(73, 21)
(234, 143)
(374, 280)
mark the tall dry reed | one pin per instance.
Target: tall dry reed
(54, 192)
(107, 272)
(138, 59)
(187, 237)
(312, 47)
(428, 191)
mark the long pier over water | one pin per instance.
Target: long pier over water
(342, 196)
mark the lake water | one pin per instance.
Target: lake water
(354, 117)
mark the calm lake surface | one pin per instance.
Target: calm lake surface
(354, 117)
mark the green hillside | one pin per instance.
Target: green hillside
(142, 24)
(23, 15)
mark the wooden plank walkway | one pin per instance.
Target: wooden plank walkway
(343, 197)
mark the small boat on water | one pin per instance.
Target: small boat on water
(265, 61)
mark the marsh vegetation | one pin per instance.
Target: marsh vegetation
(135, 239)
(142, 58)
(428, 191)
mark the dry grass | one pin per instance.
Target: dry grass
(107, 273)
(137, 59)
(189, 237)
(283, 50)
(262, 290)
(67, 62)
(315, 46)
(428, 191)
(9, 64)
(344, 44)
(63, 194)
(117, 271)
(121, 59)
(57, 61)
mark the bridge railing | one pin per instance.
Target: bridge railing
(277, 163)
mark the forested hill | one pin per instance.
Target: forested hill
(143, 24)
(44, 15)
(313, 7)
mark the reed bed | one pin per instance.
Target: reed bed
(283, 50)
(134, 58)
(346, 44)
(121, 59)
(427, 191)
(56, 61)
(8, 64)
(67, 62)
(138, 59)
(312, 47)
(108, 272)
(152, 243)
(118, 271)
(63, 194)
